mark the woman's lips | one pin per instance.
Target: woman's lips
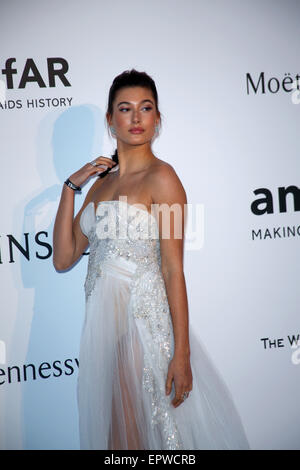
(136, 131)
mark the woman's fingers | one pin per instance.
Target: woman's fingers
(178, 399)
(105, 160)
(101, 163)
(169, 382)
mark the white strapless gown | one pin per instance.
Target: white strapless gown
(127, 343)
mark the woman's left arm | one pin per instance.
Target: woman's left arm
(169, 200)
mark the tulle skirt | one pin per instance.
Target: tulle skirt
(116, 396)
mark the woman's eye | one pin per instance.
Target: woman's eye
(145, 107)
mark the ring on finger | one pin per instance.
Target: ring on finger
(185, 395)
(94, 163)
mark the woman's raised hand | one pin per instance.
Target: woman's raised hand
(98, 165)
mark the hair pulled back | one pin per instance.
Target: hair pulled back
(128, 78)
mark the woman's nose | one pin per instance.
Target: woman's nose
(135, 116)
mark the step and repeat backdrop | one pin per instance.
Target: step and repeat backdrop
(228, 80)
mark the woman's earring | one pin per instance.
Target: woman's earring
(112, 129)
(156, 129)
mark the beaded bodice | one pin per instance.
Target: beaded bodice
(119, 229)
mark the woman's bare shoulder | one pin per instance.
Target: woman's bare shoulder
(164, 182)
(159, 163)
(161, 169)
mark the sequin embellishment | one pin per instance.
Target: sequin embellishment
(148, 295)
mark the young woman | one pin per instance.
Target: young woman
(145, 381)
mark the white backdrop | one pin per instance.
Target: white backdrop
(230, 129)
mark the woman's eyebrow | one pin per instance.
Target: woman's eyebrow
(127, 102)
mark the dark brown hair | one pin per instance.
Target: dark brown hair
(128, 78)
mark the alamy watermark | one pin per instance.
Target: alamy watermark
(164, 221)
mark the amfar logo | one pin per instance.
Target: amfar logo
(57, 67)
(15, 79)
(265, 205)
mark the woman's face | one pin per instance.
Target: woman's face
(134, 107)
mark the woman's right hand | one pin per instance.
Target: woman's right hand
(80, 176)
